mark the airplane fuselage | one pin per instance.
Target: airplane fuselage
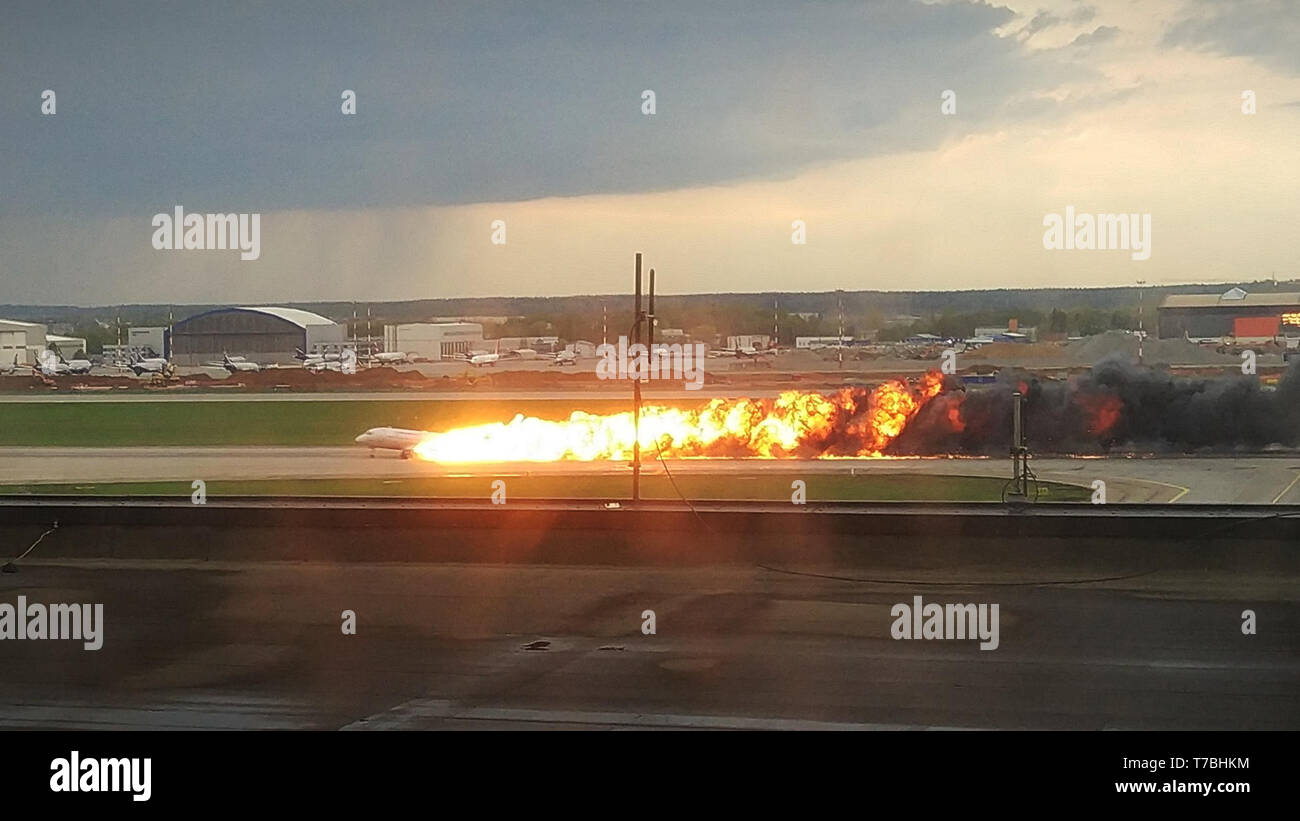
(402, 440)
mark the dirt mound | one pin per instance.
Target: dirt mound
(1093, 349)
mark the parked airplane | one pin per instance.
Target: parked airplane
(390, 357)
(237, 364)
(481, 359)
(13, 366)
(401, 440)
(317, 366)
(304, 357)
(53, 364)
(141, 365)
(75, 366)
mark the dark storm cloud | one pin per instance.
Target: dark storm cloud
(1101, 34)
(1045, 20)
(235, 106)
(1267, 30)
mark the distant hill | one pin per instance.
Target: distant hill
(888, 303)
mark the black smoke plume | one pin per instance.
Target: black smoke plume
(1116, 407)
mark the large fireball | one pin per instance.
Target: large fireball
(850, 422)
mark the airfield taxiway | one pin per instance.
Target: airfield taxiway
(1210, 480)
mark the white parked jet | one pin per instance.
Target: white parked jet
(238, 364)
(53, 364)
(141, 365)
(401, 440)
(76, 366)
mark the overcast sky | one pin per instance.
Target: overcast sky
(766, 113)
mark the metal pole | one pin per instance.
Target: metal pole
(839, 342)
(1019, 453)
(650, 315)
(636, 393)
(1141, 333)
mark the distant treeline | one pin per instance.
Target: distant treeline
(889, 314)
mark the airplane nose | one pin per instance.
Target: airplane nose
(360, 440)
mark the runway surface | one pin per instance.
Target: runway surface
(1245, 480)
(601, 393)
(259, 645)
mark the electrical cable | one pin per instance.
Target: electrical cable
(10, 566)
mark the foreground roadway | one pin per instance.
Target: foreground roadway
(1244, 480)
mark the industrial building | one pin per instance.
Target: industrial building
(1234, 313)
(70, 347)
(1011, 333)
(803, 342)
(541, 344)
(434, 341)
(743, 341)
(20, 342)
(263, 335)
(145, 342)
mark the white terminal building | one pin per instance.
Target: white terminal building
(822, 341)
(22, 342)
(742, 341)
(434, 341)
(147, 342)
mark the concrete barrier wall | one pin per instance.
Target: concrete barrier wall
(1111, 539)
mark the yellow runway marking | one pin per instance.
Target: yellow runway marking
(1182, 491)
(1286, 490)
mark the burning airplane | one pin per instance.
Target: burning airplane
(1117, 407)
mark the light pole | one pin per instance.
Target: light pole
(1141, 332)
(839, 341)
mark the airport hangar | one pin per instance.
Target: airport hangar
(434, 341)
(21, 343)
(1234, 313)
(263, 335)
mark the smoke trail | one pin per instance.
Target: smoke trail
(1118, 406)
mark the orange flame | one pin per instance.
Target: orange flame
(1102, 410)
(851, 422)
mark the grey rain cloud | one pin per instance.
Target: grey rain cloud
(236, 106)
(1101, 34)
(1266, 30)
(1045, 20)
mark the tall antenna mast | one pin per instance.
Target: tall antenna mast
(636, 392)
(839, 342)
